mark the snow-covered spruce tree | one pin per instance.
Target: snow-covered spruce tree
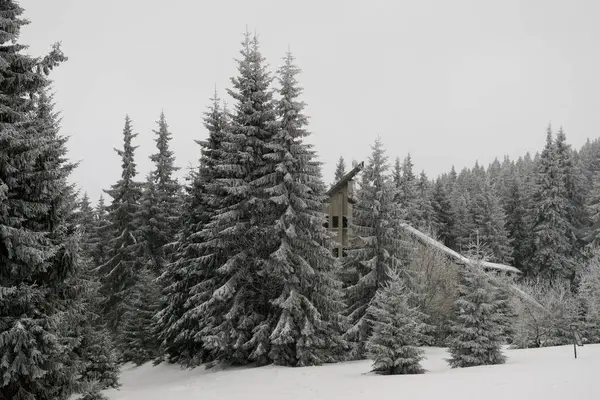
(340, 170)
(241, 234)
(408, 199)
(188, 281)
(397, 330)
(157, 220)
(553, 235)
(464, 226)
(160, 208)
(517, 221)
(378, 247)
(424, 207)
(99, 237)
(593, 209)
(309, 325)
(93, 346)
(479, 326)
(40, 284)
(119, 273)
(86, 222)
(96, 347)
(444, 218)
(136, 336)
(489, 221)
(573, 182)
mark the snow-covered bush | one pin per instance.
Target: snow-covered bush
(546, 324)
(434, 279)
(589, 300)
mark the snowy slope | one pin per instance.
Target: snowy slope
(544, 374)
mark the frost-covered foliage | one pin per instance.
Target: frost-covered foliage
(397, 330)
(589, 299)
(378, 248)
(119, 273)
(434, 281)
(548, 325)
(479, 325)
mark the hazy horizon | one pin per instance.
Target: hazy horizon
(449, 83)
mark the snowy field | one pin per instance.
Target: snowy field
(544, 374)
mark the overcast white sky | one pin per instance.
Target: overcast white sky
(448, 81)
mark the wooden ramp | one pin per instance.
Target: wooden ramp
(460, 259)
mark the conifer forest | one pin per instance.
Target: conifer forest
(234, 265)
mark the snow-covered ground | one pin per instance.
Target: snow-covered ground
(544, 374)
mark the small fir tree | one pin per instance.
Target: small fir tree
(397, 330)
(479, 327)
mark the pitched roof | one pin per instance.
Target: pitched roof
(346, 178)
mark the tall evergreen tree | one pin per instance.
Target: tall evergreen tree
(189, 280)
(377, 253)
(160, 208)
(40, 280)
(125, 256)
(443, 215)
(489, 221)
(408, 199)
(552, 230)
(99, 237)
(424, 206)
(242, 233)
(572, 184)
(309, 322)
(517, 222)
(340, 170)
(97, 348)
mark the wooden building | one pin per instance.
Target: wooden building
(339, 210)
